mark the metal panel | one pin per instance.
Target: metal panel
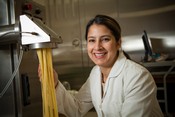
(7, 13)
(7, 101)
(10, 103)
(68, 18)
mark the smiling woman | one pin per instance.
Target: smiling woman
(116, 86)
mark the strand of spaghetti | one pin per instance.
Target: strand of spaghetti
(45, 84)
(49, 86)
(47, 66)
(49, 83)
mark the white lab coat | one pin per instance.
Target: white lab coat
(130, 91)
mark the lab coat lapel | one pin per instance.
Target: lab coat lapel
(116, 69)
(118, 65)
(96, 85)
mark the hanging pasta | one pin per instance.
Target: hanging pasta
(50, 108)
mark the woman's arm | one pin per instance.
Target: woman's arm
(73, 106)
(69, 105)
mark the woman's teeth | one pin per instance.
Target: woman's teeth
(99, 55)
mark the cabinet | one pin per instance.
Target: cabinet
(162, 69)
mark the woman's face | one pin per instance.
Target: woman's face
(102, 46)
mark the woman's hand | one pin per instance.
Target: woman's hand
(55, 75)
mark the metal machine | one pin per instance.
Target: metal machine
(19, 33)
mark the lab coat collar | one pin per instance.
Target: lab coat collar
(118, 65)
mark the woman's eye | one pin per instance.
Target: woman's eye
(91, 40)
(105, 39)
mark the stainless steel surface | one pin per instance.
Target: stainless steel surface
(34, 9)
(29, 66)
(7, 20)
(9, 35)
(43, 45)
(10, 103)
(69, 18)
(54, 38)
(7, 12)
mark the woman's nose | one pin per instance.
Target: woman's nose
(98, 45)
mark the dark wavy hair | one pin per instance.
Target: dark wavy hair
(107, 21)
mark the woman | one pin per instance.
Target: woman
(117, 86)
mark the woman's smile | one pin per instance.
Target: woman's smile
(100, 55)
